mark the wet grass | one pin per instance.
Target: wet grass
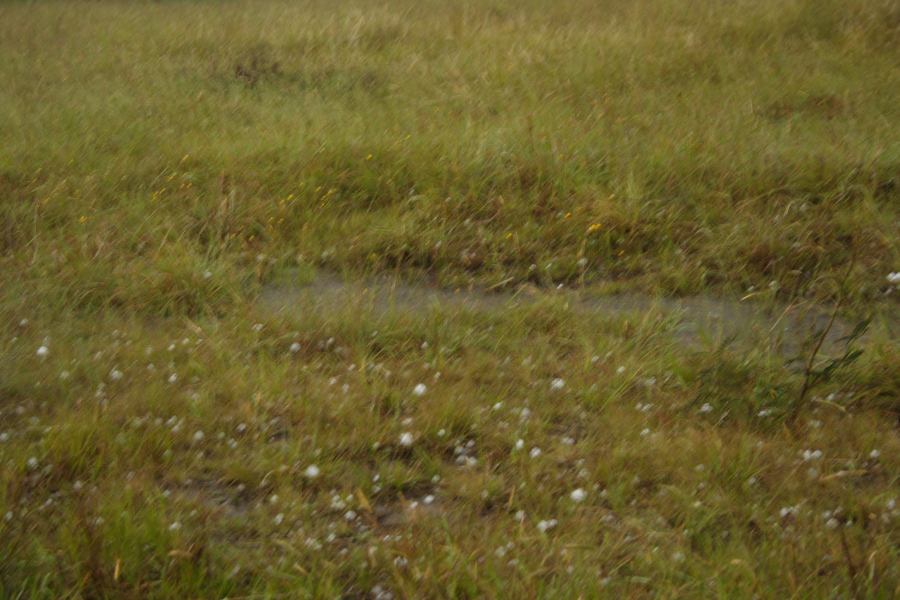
(171, 460)
(165, 166)
(726, 146)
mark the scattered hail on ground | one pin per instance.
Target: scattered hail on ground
(416, 298)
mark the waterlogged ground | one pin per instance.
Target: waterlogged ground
(586, 248)
(693, 320)
(381, 440)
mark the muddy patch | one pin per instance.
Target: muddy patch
(699, 319)
(218, 497)
(407, 512)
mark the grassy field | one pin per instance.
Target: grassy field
(164, 434)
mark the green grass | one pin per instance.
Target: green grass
(161, 162)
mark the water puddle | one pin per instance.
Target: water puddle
(700, 318)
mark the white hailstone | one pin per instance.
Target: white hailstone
(116, 375)
(578, 495)
(4, 436)
(428, 499)
(874, 454)
(278, 518)
(64, 375)
(406, 439)
(378, 592)
(535, 452)
(894, 277)
(350, 515)
(520, 515)
(620, 370)
(257, 327)
(497, 406)
(441, 432)
(809, 455)
(832, 523)
(582, 262)
(43, 351)
(77, 485)
(173, 377)
(557, 384)
(32, 463)
(313, 543)
(891, 504)
(645, 432)
(241, 428)
(295, 347)
(8, 516)
(764, 412)
(207, 274)
(311, 472)
(787, 511)
(707, 407)
(544, 526)
(520, 443)
(23, 323)
(420, 389)
(198, 436)
(175, 526)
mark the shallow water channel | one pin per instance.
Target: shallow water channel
(699, 319)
